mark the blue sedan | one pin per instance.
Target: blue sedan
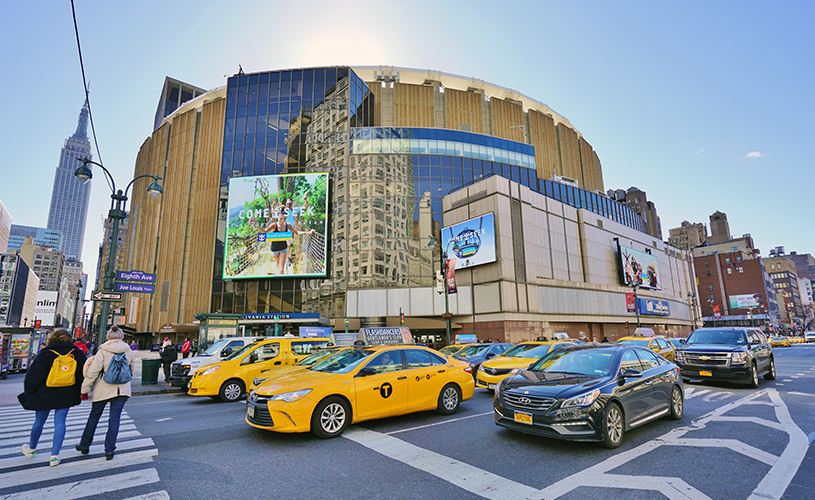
(590, 393)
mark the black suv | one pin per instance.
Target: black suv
(728, 354)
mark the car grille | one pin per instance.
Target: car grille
(262, 416)
(180, 370)
(525, 402)
(712, 359)
(497, 371)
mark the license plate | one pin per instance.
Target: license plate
(524, 418)
(250, 410)
(491, 386)
(704, 373)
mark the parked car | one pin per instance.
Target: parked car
(727, 354)
(475, 354)
(590, 393)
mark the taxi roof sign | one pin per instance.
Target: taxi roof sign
(644, 332)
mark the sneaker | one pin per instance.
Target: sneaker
(54, 461)
(28, 452)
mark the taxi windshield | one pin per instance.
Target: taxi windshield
(528, 351)
(643, 343)
(716, 337)
(342, 362)
(215, 348)
(450, 349)
(316, 356)
(589, 362)
(472, 350)
(241, 350)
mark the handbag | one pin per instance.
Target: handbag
(22, 398)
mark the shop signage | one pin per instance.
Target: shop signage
(654, 307)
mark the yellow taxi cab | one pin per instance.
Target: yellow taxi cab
(452, 349)
(227, 380)
(645, 337)
(493, 371)
(358, 384)
(779, 341)
(282, 371)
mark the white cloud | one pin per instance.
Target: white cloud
(755, 154)
(700, 151)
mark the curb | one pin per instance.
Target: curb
(167, 390)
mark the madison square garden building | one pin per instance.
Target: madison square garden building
(328, 196)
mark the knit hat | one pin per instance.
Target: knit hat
(115, 333)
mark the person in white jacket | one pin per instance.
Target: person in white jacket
(104, 393)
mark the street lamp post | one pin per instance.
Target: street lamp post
(117, 213)
(76, 305)
(636, 285)
(692, 299)
(443, 268)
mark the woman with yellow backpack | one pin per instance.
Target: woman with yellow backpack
(53, 382)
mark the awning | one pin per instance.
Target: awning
(178, 328)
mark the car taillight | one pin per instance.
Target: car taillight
(469, 370)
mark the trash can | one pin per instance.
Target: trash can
(149, 371)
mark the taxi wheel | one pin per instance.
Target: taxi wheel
(231, 391)
(330, 418)
(677, 404)
(613, 426)
(770, 375)
(449, 399)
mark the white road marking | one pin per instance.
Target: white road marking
(800, 374)
(694, 393)
(164, 419)
(18, 459)
(91, 487)
(438, 423)
(67, 444)
(156, 495)
(733, 444)
(47, 437)
(787, 380)
(755, 420)
(795, 376)
(717, 396)
(800, 393)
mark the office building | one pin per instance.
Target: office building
(18, 292)
(70, 196)
(5, 228)
(688, 236)
(41, 236)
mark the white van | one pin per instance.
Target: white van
(182, 370)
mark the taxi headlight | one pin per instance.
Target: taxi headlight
(481, 368)
(582, 400)
(515, 370)
(258, 381)
(210, 370)
(290, 397)
(738, 358)
(678, 356)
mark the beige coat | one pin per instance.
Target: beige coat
(102, 391)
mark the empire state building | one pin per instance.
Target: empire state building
(71, 195)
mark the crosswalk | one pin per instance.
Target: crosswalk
(77, 476)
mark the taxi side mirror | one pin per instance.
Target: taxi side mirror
(226, 352)
(366, 372)
(490, 355)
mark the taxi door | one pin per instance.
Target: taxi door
(261, 358)
(427, 374)
(384, 392)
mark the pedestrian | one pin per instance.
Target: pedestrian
(107, 392)
(134, 346)
(605, 340)
(92, 347)
(186, 348)
(168, 355)
(44, 393)
(81, 345)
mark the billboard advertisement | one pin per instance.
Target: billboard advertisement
(750, 301)
(654, 307)
(640, 267)
(276, 226)
(46, 309)
(470, 243)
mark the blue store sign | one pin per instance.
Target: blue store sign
(654, 307)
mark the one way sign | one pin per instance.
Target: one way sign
(106, 296)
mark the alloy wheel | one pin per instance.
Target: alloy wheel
(332, 419)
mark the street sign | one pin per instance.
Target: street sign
(137, 276)
(106, 296)
(134, 287)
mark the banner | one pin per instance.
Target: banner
(751, 301)
(630, 303)
(46, 309)
(471, 242)
(451, 276)
(277, 226)
(716, 311)
(640, 268)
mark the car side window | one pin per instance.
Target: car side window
(418, 358)
(630, 361)
(761, 336)
(235, 344)
(268, 351)
(303, 348)
(648, 358)
(388, 361)
(662, 344)
(752, 337)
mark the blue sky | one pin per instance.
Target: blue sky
(706, 106)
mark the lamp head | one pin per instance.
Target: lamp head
(154, 189)
(432, 242)
(84, 173)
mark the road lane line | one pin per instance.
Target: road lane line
(18, 459)
(15, 450)
(733, 444)
(90, 487)
(465, 476)
(445, 421)
(755, 420)
(156, 495)
(694, 393)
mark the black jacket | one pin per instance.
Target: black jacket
(168, 354)
(41, 397)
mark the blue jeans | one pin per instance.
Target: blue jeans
(114, 416)
(59, 429)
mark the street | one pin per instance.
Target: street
(732, 443)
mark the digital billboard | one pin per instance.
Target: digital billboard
(470, 243)
(277, 226)
(639, 267)
(751, 301)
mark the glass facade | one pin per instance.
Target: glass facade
(386, 184)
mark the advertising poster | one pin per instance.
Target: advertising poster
(751, 301)
(46, 308)
(276, 226)
(716, 311)
(470, 243)
(451, 276)
(639, 267)
(630, 303)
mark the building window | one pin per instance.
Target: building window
(710, 288)
(727, 261)
(729, 270)
(707, 263)
(741, 270)
(708, 274)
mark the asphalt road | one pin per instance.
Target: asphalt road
(733, 443)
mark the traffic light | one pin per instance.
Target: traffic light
(401, 318)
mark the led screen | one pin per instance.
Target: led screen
(276, 226)
(640, 267)
(470, 243)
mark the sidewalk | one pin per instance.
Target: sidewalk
(11, 387)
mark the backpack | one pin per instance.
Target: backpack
(118, 371)
(63, 371)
